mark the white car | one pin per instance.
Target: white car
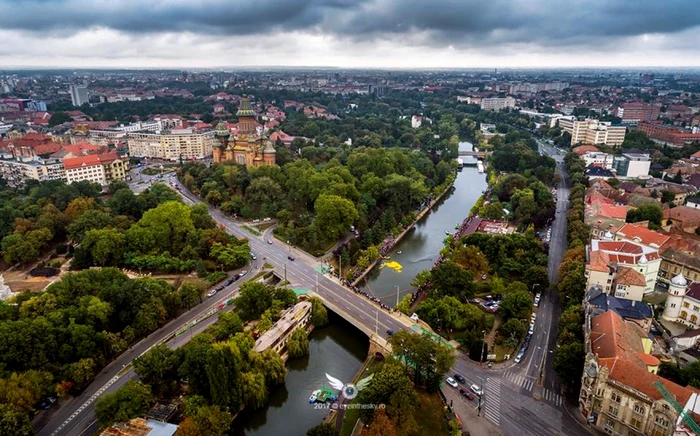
(519, 357)
(211, 293)
(452, 382)
(242, 273)
(414, 317)
(533, 317)
(476, 389)
(537, 302)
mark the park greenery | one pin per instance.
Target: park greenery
(317, 199)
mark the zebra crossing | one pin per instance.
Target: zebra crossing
(492, 400)
(528, 383)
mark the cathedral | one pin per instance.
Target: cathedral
(250, 147)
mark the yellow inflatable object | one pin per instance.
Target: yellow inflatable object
(397, 267)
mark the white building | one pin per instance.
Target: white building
(16, 171)
(79, 95)
(605, 258)
(416, 121)
(604, 160)
(683, 302)
(96, 168)
(497, 103)
(177, 144)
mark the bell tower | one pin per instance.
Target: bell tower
(246, 117)
(222, 135)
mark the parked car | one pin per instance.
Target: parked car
(460, 378)
(242, 273)
(519, 357)
(47, 402)
(468, 394)
(211, 293)
(414, 317)
(450, 381)
(266, 219)
(229, 281)
(476, 389)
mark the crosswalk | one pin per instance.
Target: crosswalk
(492, 400)
(528, 383)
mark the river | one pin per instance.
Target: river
(421, 246)
(338, 349)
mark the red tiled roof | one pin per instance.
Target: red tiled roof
(682, 213)
(629, 277)
(598, 261)
(89, 160)
(618, 212)
(637, 377)
(582, 149)
(642, 235)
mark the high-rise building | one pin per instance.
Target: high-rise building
(635, 112)
(79, 95)
(175, 145)
(594, 132)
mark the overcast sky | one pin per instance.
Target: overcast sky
(349, 33)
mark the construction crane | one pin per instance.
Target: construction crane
(679, 409)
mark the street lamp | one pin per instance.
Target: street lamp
(483, 348)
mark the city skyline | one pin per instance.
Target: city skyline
(348, 34)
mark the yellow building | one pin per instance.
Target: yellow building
(250, 147)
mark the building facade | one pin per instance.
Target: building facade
(606, 259)
(96, 168)
(174, 145)
(250, 146)
(79, 95)
(633, 113)
(594, 132)
(16, 171)
(497, 103)
(632, 165)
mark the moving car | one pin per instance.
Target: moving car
(460, 378)
(450, 381)
(476, 389)
(269, 241)
(252, 256)
(469, 395)
(290, 257)
(390, 332)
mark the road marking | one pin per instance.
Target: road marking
(492, 400)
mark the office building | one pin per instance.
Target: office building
(497, 103)
(96, 168)
(79, 95)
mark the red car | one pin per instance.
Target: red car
(468, 394)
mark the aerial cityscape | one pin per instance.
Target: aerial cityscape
(347, 218)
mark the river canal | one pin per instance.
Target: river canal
(338, 349)
(421, 246)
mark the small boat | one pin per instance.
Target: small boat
(399, 252)
(314, 396)
(447, 232)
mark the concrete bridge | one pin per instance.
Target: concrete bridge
(476, 154)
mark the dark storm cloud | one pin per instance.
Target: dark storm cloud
(461, 23)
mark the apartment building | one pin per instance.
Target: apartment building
(175, 145)
(594, 132)
(621, 393)
(497, 103)
(666, 134)
(16, 171)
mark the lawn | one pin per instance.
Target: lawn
(252, 230)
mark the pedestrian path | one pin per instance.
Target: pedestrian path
(528, 383)
(492, 400)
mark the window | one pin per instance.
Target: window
(696, 308)
(612, 409)
(616, 398)
(686, 305)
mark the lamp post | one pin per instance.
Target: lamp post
(397, 296)
(483, 348)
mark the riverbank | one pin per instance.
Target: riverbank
(390, 242)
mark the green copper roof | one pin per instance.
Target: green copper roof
(245, 110)
(222, 130)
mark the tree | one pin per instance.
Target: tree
(334, 215)
(647, 212)
(271, 366)
(391, 379)
(228, 324)
(323, 429)
(125, 202)
(167, 226)
(568, 363)
(421, 278)
(88, 220)
(14, 422)
(430, 360)
(18, 248)
(253, 389)
(79, 206)
(667, 196)
(405, 304)
(129, 401)
(223, 366)
(514, 327)
(319, 314)
(230, 256)
(255, 298)
(158, 368)
(191, 293)
(516, 305)
(105, 246)
(298, 343)
(204, 421)
(59, 118)
(449, 279)
(82, 371)
(471, 258)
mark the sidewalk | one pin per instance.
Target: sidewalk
(466, 411)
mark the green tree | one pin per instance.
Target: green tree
(191, 293)
(334, 215)
(421, 278)
(647, 212)
(206, 420)
(319, 314)
(271, 366)
(430, 360)
(88, 220)
(255, 298)
(449, 279)
(514, 327)
(82, 371)
(129, 401)
(667, 196)
(14, 422)
(391, 380)
(516, 305)
(58, 118)
(230, 256)
(568, 363)
(106, 246)
(405, 304)
(158, 368)
(298, 343)
(323, 429)
(223, 366)
(254, 390)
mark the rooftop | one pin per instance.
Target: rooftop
(642, 235)
(281, 327)
(629, 277)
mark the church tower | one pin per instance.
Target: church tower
(222, 135)
(246, 117)
(674, 301)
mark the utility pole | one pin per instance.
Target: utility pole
(483, 350)
(397, 296)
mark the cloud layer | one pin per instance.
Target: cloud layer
(350, 32)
